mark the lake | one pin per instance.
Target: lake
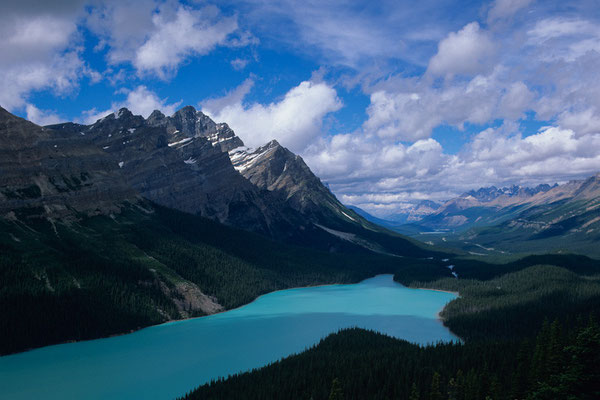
(168, 360)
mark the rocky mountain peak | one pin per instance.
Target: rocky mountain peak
(124, 113)
(272, 144)
(487, 194)
(189, 123)
(156, 118)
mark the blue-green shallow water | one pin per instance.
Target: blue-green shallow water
(165, 361)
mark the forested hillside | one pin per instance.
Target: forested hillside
(528, 334)
(560, 362)
(106, 275)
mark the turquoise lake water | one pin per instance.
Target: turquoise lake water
(166, 361)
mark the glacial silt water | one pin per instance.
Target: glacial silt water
(168, 360)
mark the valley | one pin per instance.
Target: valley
(132, 227)
(299, 200)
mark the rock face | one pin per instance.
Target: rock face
(190, 163)
(274, 168)
(491, 193)
(188, 122)
(178, 162)
(47, 173)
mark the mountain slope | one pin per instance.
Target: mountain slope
(485, 206)
(43, 172)
(192, 164)
(179, 169)
(103, 275)
(274, 168)
(565, 218)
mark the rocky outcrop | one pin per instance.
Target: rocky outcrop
(47, 173)
(274, 168)
(189, 123)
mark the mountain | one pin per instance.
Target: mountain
(61, 176)
(172, 162)
(190, 163)
(491, 193)
(563, 218)
(482, 207)
(274, 168)
(110, 227)
(398, 225)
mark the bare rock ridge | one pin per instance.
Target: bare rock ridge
(185, 162)
(172, 162)
(278, 170)
(188, 162)
(44, 172)
(188, 122)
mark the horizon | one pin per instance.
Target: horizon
(388, 104)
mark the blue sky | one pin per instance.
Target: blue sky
(390, 102)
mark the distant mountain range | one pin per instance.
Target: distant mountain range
(516, 219)
(475, 207)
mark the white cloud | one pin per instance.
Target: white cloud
(190, 33)
(502, 9)
(385, 178)
(295, 121)
(401, 116)
(581, 122)
(41, 117)
(516, 99)
(232, 98)
(366, 35)
(60, 74)
(554, 153)
(157, 37)
(239, 63)
(39, 52)
(409, 109)
(466, 52)
(140, 101)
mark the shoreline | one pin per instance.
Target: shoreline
(457, 294)
(437, 316)
(172, 321)
(243, 305)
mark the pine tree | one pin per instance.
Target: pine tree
(435, 393)
(414, 393)
(540, 354)
(336, 392)
(521, 376)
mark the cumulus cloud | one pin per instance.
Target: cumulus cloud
(41, 117)
(295, 120)
(466, 52)
(384, 179)
(409, 109)
(140, 101)
(546, 67)
(191, 32)
(39, 50)
(158, 37)
(542, 156)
